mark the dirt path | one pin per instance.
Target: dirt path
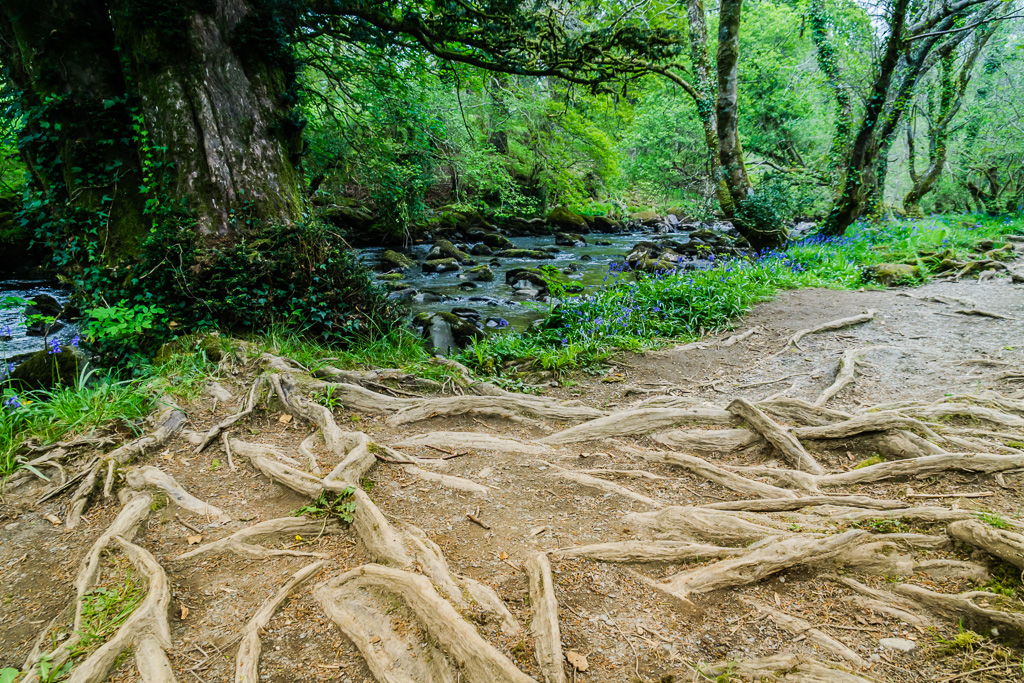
(649, 462)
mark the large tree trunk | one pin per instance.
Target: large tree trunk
(134, 110)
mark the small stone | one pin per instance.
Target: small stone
(898, 644)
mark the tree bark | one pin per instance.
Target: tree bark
(730, 151)
(132, 112)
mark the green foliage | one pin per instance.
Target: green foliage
(92, 403)
(340, 506)
(120, 324)
(326, 397)
(994, 520)
(883, 525)
(634, 313)
(104, 610)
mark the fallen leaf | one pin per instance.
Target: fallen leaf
(184, 613)
(285, 418)
(195, 539)
(52, 519)
(778, 600)
(503, 555)
(578, 661)
(375, 639)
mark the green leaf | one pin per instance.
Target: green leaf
(8, 675)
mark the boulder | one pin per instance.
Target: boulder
(441, 265)
(467, 285)
(446, 332)
(482, 273)
(653, 266)
(443, 249)
(646, 218)
(563, 218)
(643, 250)
(603, 243)
(524, 253)
(496, 241)
(570, 239)
(402, 294)
(390, 277)
(481, 250)
(527, 278)
(44, 304)
(352, 216)
(604, 224)
(45, 370)
(467, 313)
(890, 273)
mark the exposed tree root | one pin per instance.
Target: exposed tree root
(979, 609)
(517, 408)
(703, 468)
(947, 410)
(776, 435)
(544, 625)
(241, 542)
(785, 668)
(847, 371)
(248, 658)
(861, 424)
(630, 552)
(788, 504)
(149, 476)
(603, 485)
(760, 563)
(353, 602)
(463, 440)
(713, 441)
(701, 524)
(839, 324)
(1006, 545)
(802, 412)
(375, 378)
(805, 628)
(640, 421)
(251, 400)
(885, 603)
(980, 463)
(167, 424)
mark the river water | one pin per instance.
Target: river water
(495, 299)
(12, 318)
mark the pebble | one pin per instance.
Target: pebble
(900, 644)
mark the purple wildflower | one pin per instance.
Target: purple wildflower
(54, 346)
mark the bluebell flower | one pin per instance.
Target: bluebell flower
(12, 402)
(75, 340)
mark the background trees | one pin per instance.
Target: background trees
(148, 128)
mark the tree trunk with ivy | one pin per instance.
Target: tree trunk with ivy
(134, 106)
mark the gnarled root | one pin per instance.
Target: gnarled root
(785, 668)
(167, 424)
(149, 476)
(463, 440)
(1005, 545)
(353, 601)
(640, 421)
(847, 371)
(518, 408)
(603, 485)
(981, 609)
(788, 504)
(248, 658)
(693, 523)
(778, 436)
(839, 324)
(544, 625)
(802, 627)
(885, 603)
(760, 563)
(703, 468)
(629, 552)
(251, 400)
(713, 441)
(240, 543)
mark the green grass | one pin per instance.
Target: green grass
(637, 312)
(48, 416)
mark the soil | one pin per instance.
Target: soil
(627, 629)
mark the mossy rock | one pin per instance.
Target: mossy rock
(441, 265)
(497, 241)
(392, 260)
(446, 332)
(524, 253)
(565, 219)
(481, 250)
(390, 277)
(482, 273)
(605, 224)
(645, 217)
(537, 278)
(652, 266)
(888, 274)
(570, 239)
(45, 370)
(444, 249)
